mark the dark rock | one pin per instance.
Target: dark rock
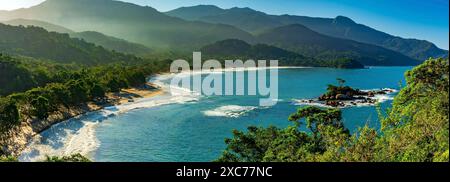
(342, 97)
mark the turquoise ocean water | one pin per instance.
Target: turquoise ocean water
(168, 128)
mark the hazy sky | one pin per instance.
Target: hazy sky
(421, 19)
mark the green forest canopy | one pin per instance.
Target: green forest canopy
(416, 128)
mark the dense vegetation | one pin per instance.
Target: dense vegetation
(47, 73)
(70, 158)
(19, 74)
(343, 63)
(238, 49)
(334, 91)
(108, 42)
(416, 128)
(50, 90)
(47, 26)
(112, 43)
(8, 159)
(39, 43)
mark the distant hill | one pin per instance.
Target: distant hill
(340, 27)
(238, 49)
(48, 26)
(344, 27)
(244, 18)
(38, 43)
(147, 26)
(131, 22)
(112, 43)
(196, 12)
(100, 39)
(302, 40)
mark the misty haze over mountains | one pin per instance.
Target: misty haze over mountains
(188, 29)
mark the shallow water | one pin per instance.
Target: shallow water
(193, 128)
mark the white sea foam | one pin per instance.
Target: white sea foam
(231, 111)
(378, 98)
(389, 90)
(305, 102)
(77, 135)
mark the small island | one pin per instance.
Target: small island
(345, 96)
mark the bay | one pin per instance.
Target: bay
(194, 129)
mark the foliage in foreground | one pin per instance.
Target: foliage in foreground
(416, 128)
(8, 159)
(71, 158)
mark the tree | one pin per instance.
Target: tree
(77, 91)
(250, 146)
(8, 159)
(316, 117)
(289, 144)
(114, 85)
(340, 81)
(9, 114)
(97, 91)
(71, 158)
(40, 107)
(416, 128)
(60, 94)
(135, 77)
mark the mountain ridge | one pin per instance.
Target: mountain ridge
(108, 42)
(340, 27)
(325, 47)
(238, 49)
(134, 23)
(38, 43)
(147, 26)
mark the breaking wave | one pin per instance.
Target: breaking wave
(77, 135)
(231, 111)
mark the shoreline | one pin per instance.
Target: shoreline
(235, 69)
(26, 132)
(14, 142)
(132, 94)
(17, 139)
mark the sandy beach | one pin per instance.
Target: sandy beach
(17, 140)
(131, 94)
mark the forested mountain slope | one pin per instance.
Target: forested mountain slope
(340, 27)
